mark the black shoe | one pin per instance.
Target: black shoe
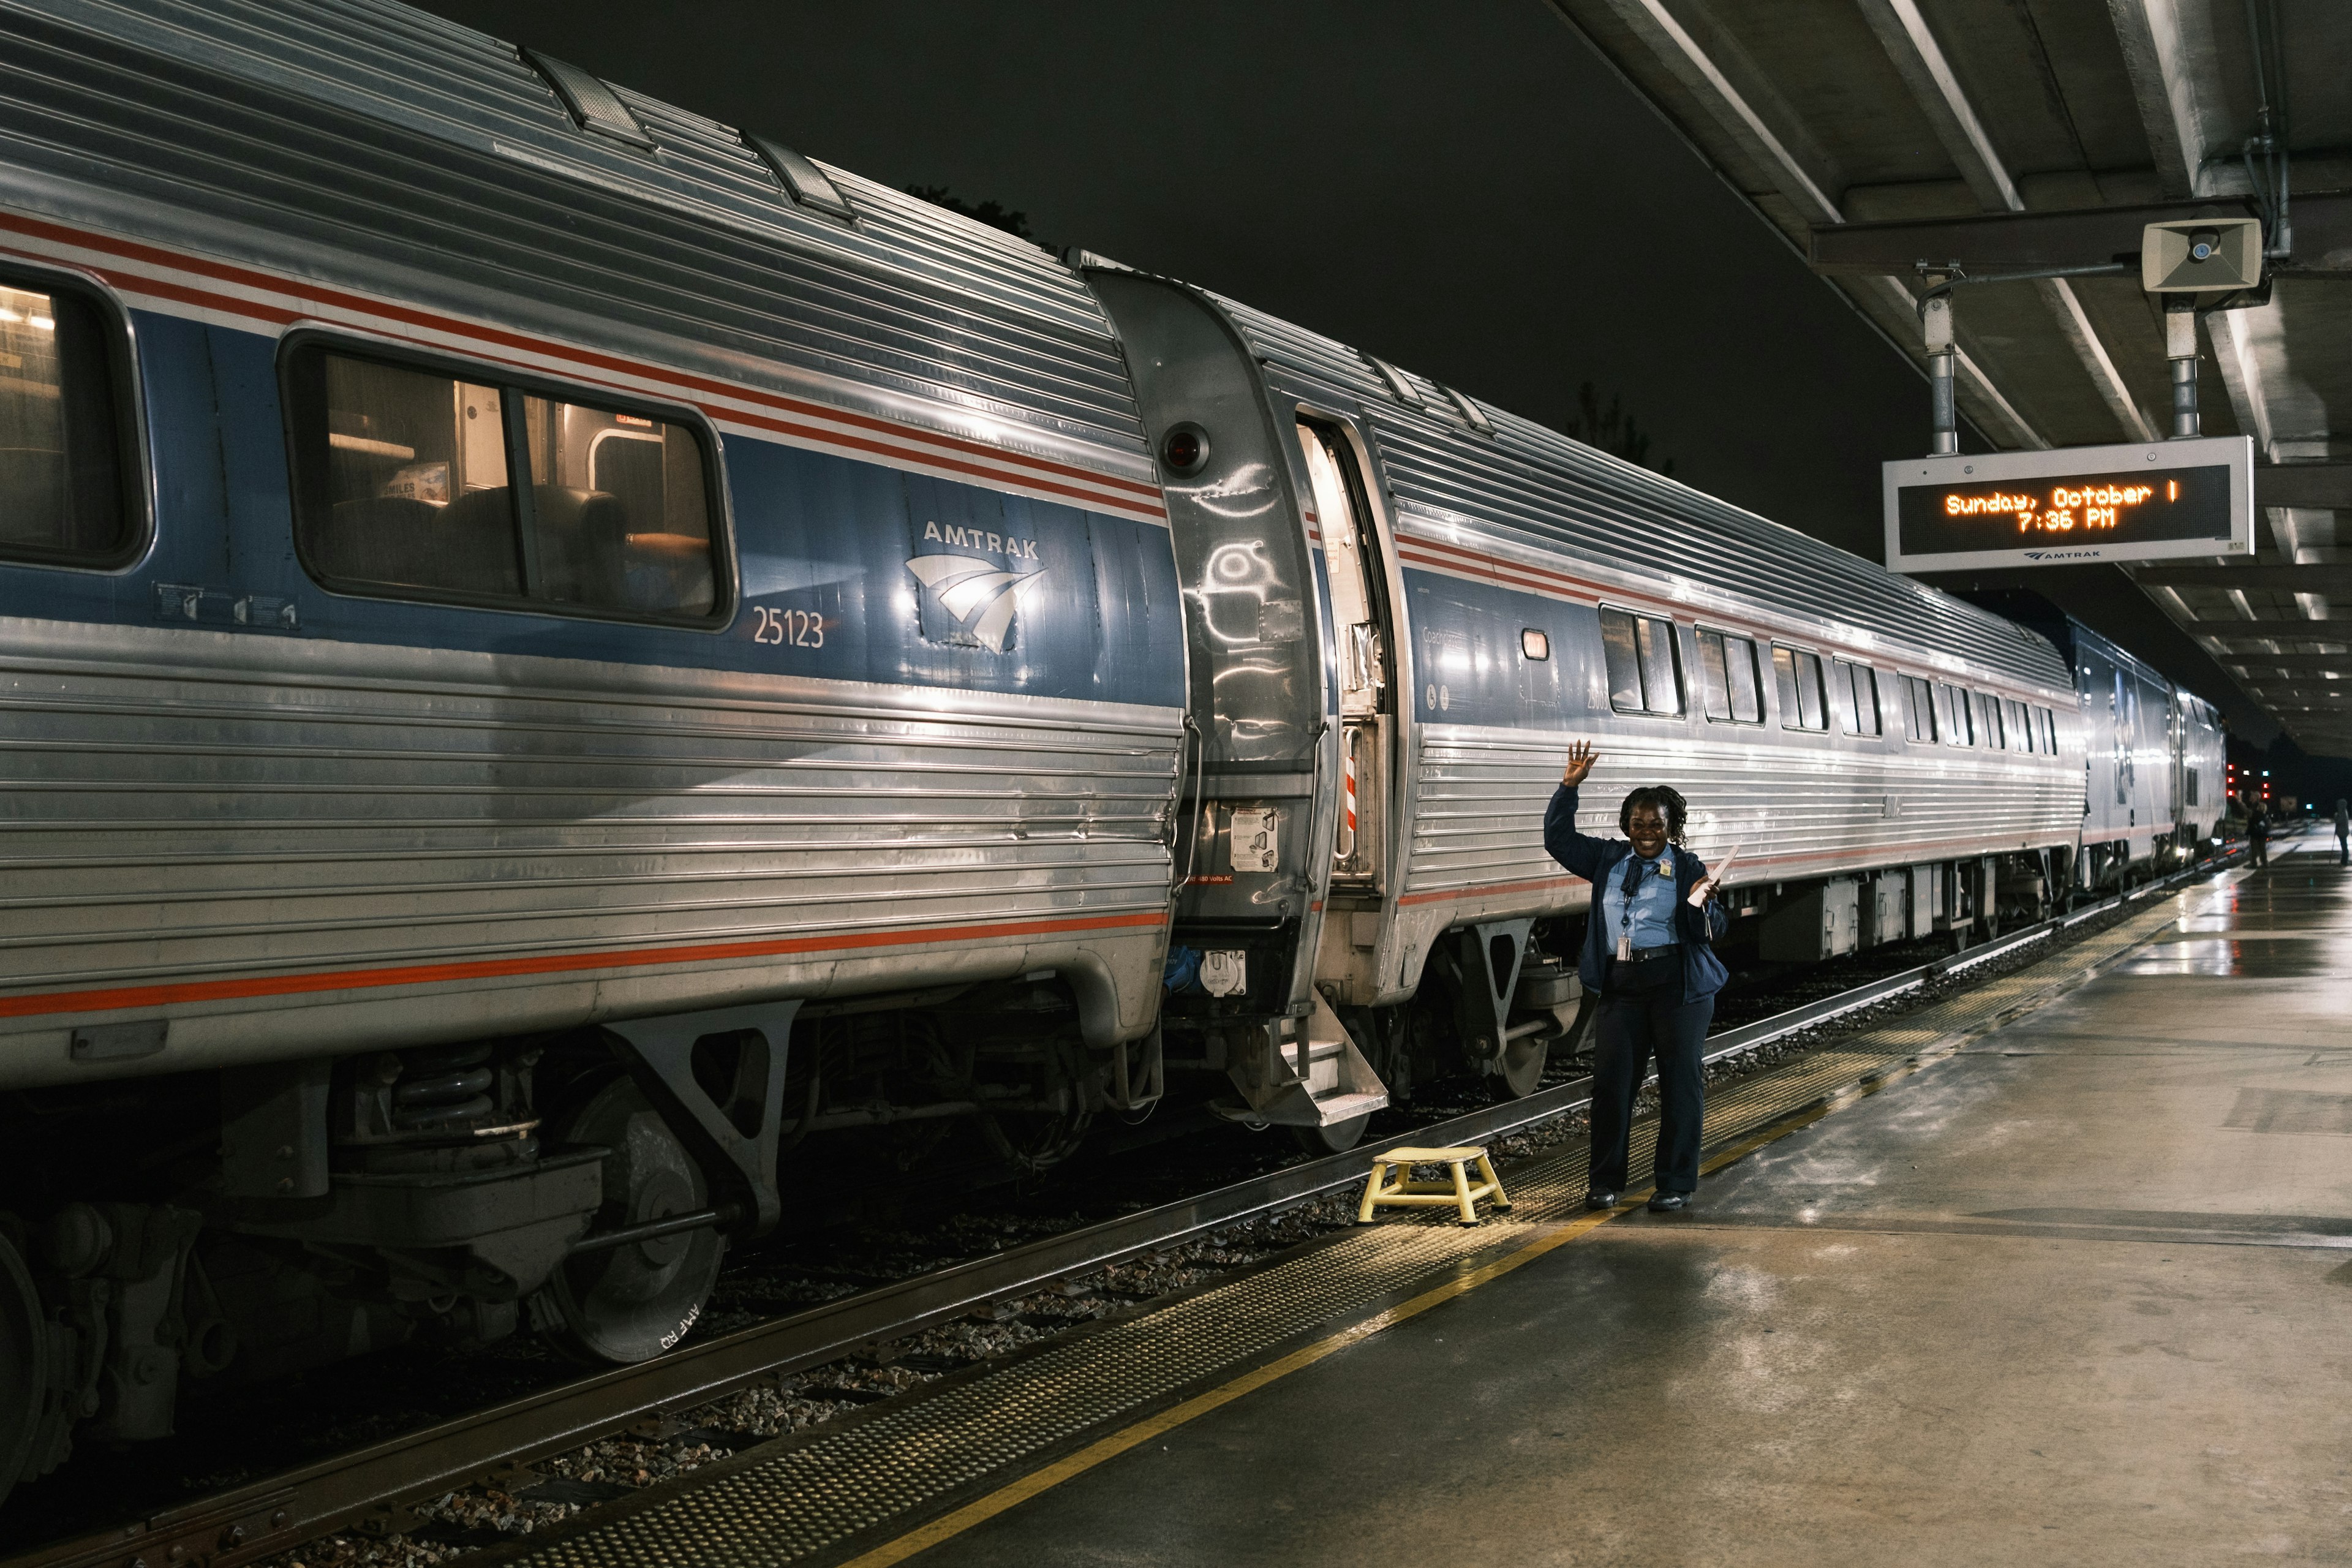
(1600, 1200)
(1669, 1203)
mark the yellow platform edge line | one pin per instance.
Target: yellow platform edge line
(1014, 1493)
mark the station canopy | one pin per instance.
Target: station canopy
(1896, 141)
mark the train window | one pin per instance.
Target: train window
(403, 482)
(1798, 674)
(1952, 711)
(1535, 645)
(2050, 732)
(1854, 690)
(1989, 727)
(2017, 725)
(1918, 709)
(1643, 674)
(64, 442)
(2189, 785)
(1731, 686)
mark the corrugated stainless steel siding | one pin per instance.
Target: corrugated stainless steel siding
(183, 807)
(1827, 807)
(355, 137)
(1540, 484)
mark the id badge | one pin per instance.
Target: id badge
(1625, 948)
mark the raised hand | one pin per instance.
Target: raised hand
(1580, 758)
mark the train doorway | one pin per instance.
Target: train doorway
(1360, 627)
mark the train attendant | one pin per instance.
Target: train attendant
(1649, 952)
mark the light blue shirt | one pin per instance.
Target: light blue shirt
(1653, 908)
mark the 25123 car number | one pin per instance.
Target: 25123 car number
(795, 629)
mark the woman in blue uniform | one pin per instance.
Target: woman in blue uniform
(1649, 952)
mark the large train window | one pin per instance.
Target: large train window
(2019, 725)
(1645, 675)
(1853, 691)
(404, 485)
(1919, 709)
(1798, 675)
(1952, 715)
(1730, 685)
(66, 452)
(1988, 717)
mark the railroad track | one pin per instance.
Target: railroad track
(268, 1516)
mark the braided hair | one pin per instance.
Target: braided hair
(1669, 804)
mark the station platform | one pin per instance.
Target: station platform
(2055, 1270)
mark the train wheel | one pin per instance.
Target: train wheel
(1521, 1068)
(631, 1303)
(22, 1354)
(1334, 1138)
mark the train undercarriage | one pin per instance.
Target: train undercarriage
(259, 1222)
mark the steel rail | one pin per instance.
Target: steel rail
(283, 1510)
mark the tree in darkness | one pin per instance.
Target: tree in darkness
(995, 215)
(1612, 430)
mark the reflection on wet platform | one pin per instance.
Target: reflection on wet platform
(2272, 956)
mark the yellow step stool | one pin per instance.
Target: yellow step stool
(1402, 1192)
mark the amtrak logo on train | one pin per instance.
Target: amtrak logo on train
(978, 596)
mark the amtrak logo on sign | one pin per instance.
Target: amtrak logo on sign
(980, 596)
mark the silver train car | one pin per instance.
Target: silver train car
(2154, 763)
(921, 682)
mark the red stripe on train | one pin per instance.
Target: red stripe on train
(116, 998)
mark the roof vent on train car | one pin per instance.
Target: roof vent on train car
(1399, 382)
(593, 106)
(1077, 257)
(1472, 415)
(802, 180)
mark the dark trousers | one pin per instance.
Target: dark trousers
(2262, 852)
(1630, 1029)
(2343, 850)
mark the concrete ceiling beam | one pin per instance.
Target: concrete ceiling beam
(1735, 95)
(1919, 59)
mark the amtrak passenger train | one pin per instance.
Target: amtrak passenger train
(554, 650)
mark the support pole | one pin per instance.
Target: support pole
(1936, 323)
(2180, 348)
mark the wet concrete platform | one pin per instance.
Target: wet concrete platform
(2079, 1293)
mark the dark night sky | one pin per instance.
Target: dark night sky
(1465, 189)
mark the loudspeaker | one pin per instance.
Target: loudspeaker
(2197, 256)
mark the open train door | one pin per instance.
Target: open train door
(1362, 636)
(1261, 806)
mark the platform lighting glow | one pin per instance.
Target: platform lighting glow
(8, 315)
(43, 324)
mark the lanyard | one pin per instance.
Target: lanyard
(1628, 885)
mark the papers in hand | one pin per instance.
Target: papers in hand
(1698, 895)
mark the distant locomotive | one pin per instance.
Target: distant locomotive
(552, 651)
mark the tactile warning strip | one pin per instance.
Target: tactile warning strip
(760, 1509)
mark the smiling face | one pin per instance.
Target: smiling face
(1647, 829)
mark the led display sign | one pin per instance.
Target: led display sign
(2143, 503)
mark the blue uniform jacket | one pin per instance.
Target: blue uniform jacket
(1594, 859)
